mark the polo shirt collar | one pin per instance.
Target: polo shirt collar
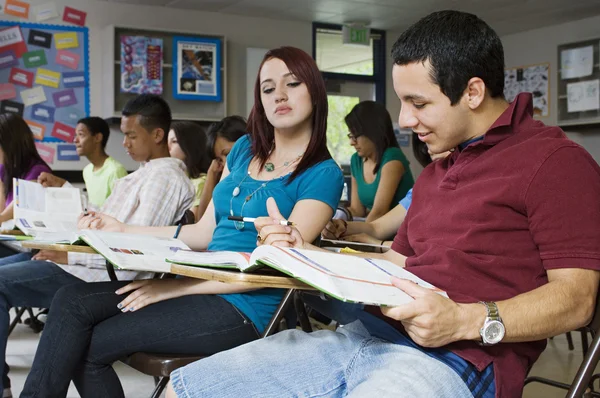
(518, 112)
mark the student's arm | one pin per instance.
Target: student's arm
(565, 303)
(50, 180)
(7, 213)
(382, 228)
(390, 176)
(213, 176)
(2, 197)
(197, 236)
(357, 209)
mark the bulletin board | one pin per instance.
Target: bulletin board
(44, 76)
(534, 79)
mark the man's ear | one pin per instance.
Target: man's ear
(475, 92)
(98, 138)
(159, 135)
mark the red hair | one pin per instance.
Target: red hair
(262, 133)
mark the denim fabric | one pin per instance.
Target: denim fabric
(15, 258)
(86, 332)
(26, 284)
(346, 363)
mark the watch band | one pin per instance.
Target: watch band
(492, 310)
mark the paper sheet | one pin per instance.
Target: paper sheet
(583, 96)
(45, 11)
(577, 62)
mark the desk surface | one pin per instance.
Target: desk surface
(247, 279)
(213, 274)
(30, 244)
(11, 232)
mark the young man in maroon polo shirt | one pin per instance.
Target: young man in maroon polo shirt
(507, 225)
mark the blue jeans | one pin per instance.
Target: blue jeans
(86, 332)
(15, 258)
(26, 284)
(349, 362)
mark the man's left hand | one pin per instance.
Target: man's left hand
(431, 320)
(52, 255)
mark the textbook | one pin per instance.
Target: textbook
(133, 251)
(48, 214)
(346, 278)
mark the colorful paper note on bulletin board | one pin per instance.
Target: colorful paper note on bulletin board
(45, 74)
(141, 65)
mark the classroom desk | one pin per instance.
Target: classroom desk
(11, 232)
(30, 244)
(258, 280)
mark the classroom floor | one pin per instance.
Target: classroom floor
(556, 362)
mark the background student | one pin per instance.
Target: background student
(156, 194)
(221, 137)
(187, 142)
(91, 137)
(284, 156)
(380, 231)
(19, 158)
(381, 173)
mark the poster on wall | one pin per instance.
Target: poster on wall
(533, 79)
(141, 65)
(196, 68)
(44, 75)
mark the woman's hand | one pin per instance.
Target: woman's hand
(334, 229)
(215, 169)
(270, 232)
(149, 291)
(363, 238)
(52, 255)
(100, 221)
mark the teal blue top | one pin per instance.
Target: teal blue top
(323, 182)
(367, 192)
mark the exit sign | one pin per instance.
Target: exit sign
(356, 35)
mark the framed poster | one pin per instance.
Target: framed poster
(197, 68)
(141, 65)
(44, 77)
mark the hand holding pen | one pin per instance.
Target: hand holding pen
(276, 230)
(252, 219)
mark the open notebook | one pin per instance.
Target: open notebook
(347, 278)
(47, 214)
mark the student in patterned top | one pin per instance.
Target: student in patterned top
(187, 142)
(157, 194)
(19, 158)
(501, 225)
(91, 137)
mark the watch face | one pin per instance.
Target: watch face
(494, 332)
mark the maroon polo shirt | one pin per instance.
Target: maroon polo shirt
(488, 222)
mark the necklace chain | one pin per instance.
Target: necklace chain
(239, 225)
(270, 167)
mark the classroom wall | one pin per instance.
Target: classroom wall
(240, 31)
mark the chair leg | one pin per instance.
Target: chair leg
(586, 370)
(301, 313)
(570, 341)
(584, 342)
(160, 387)
(13, 324)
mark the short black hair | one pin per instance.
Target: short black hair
(458, 46)
(97, 125)
(230, 128)
(372, 119)
(154, 112)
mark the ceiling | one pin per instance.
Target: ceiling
(505, 16)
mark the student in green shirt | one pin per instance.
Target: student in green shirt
(187, 142)
(381, 174)
(91, 136)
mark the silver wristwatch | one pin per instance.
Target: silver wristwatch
(492, 331)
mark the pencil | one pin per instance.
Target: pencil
(252, 219)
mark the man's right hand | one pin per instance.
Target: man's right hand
(334, 229)
(50, 180)
(101, 222)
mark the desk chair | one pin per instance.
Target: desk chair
(585, 377)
